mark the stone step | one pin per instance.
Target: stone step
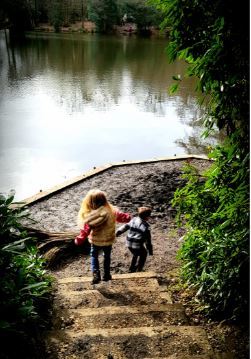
(147, 342)
(122, 317)
(142, 287)
(95, 299)
(129, 310)
(80, 283)
(139, 283)
(211, 355)
(123, 276)
(174, 356)
(112, 294)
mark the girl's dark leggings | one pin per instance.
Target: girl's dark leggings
(138, 259)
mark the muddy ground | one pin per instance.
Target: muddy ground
(128, 187)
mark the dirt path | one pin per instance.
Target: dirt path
(130, 317)
(127, 187)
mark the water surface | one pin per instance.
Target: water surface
(69, 102)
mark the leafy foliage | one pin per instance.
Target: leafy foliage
(24, 283)
(24, 15)
(19, 13)
(107, 13)
(208, 36)
(215, 249)
(56, 14)
(104, 14)
(141, 13)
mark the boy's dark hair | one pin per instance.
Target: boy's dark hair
(144, 212)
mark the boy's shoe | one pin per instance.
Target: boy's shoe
(107, 277)
(96, 278)
(133, 269)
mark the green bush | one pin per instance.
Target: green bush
(24, 282)
(208, 36)
(215, 252)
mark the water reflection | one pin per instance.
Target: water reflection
(71, 102)
(97, 70)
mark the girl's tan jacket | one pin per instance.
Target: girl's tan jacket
(99, 226)
(102, 224)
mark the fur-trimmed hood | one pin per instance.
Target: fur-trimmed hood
(97, 217)
(102, 223)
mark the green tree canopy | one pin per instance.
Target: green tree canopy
(20, 14)
(103, 13)
(141, 13)
(213, 37)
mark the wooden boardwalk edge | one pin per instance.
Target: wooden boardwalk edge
(96, 170)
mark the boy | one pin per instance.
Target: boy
(138, 239)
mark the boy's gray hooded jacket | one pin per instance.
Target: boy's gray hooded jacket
(138, 235)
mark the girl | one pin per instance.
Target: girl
(97, 218)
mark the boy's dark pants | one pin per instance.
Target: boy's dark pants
(140, 255)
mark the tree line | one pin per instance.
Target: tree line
(26, 14)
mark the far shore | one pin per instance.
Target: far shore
(126, 29)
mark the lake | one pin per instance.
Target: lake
(69, 102)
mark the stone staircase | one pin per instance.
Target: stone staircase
(130, 317)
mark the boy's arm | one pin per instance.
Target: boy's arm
(122, 217)
(149, 242)
(84, 232)
(122, 229)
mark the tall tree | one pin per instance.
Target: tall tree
(104, 14)
(19, 13)
(56, 15)
(142, 13)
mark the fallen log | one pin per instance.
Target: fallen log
(56, 246)
(47, 236)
